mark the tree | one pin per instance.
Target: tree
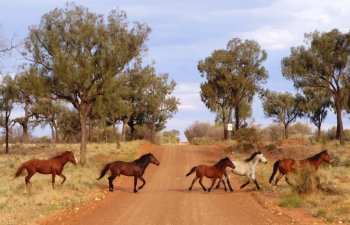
(78, 53)
(233, 75)
(315, 105)
(283, 107)
(160, 104)
(322, 65)
(8, 94)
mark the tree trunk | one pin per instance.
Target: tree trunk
(318, 136)
(286, 135)
(237, 118)
(53, 134)
(84, 111)
(340, 129)
(225, 131)
(7, 118)
(25, 133)
(125, 122)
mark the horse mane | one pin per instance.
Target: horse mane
(143, 157)
(60, 155)
(221, 161)
(317, 156)
(252, 156)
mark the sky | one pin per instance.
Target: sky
(186, 31)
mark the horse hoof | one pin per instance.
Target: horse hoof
(189, 189)
(111, 189)
(135, 191)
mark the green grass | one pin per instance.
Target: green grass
(18, 206)
(291, 201)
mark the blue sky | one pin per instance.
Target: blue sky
(186, 31)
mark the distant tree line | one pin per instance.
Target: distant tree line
(85, 74)
(320, 71)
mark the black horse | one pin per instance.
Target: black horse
(135, 168)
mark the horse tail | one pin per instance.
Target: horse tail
(104, 170)
(20, 170)
(275, 167)
(191, 171)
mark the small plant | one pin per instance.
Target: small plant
(291, 201)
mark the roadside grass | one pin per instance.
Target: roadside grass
(18, 206)
(329, 197)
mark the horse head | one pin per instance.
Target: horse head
(326, 157)
(262, 158)
(153, 159)
(228, 163)
(72, 158)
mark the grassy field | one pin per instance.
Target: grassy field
(329, 197)
(17, 206)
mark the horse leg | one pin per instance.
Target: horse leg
(53, 180)
(228, 181)
(63, 176)
(245, 184)
(288, 182)
(256, 184)
(143, 182)
(27, 180)
(222, 181)
(200, 182)
(212, 184)
(135, 183)
(194, 180)
(110, 179)
(278, 178)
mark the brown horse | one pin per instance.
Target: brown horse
(290, 165)
(214, 172)
(135, 168)
(52, 166)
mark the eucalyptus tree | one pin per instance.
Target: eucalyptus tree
(284, 108)
(233, 75)
(323, 65)
(78, 52)
(315, 105)
(159, 102)
(8, 97)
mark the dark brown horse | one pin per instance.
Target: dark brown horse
(52, 166)
(214, 172)
(135, 168)
(290, 165)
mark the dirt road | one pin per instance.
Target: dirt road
(166, 200)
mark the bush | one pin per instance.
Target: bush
(274, 133)
(248, 138)
(171, 137)
(306, 181)
(204, 130)
(201, 141)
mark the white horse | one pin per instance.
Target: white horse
(246, 168)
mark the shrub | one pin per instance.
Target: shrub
(306, 181)
(273, 133)
(171, 137)
(248, 138)
(201, 141)
(201, 130)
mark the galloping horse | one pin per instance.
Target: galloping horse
(215, 172)
(246, 168)
(290, 165)
(52, 166)
(135, 168)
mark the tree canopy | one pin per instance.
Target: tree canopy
(233, 75)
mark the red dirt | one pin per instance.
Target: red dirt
(165, 199)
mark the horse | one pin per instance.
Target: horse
(214, 172)
(135, 168)
(52, 166)
(246, 168)
(290, 165)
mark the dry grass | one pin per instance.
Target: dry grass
(330, 200)
(17, 206)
